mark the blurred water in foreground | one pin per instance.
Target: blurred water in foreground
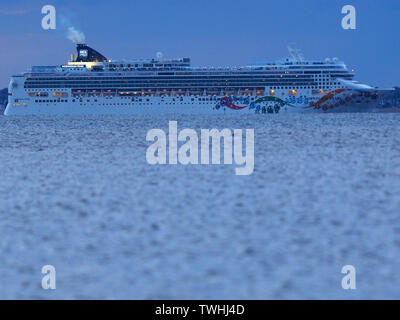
(77, 193)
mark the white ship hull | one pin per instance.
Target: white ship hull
(181, 105)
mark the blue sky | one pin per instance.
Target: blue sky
(215, 33)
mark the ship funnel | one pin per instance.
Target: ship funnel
(87, 54)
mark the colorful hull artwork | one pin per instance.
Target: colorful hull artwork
(335, 99)
(266, 104)
(271, 104)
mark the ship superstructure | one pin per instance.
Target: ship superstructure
(92, 84)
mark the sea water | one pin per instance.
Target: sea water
(77, 193)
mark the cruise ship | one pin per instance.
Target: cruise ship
(92, 84)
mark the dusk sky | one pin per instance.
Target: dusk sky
(212, 33)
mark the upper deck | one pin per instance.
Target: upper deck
(89, 60)
(91, 70)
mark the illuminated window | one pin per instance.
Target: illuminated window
(271, 92)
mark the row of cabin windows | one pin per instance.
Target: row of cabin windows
(147, 65)
(194, 75)
(214, 98)
(189, 86)
(178, 78)
(178, 82)
(49, 101)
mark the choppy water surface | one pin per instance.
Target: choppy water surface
(77, 193)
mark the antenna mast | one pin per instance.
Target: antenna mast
(295, 53)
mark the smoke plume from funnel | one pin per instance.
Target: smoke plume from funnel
(75, 35)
